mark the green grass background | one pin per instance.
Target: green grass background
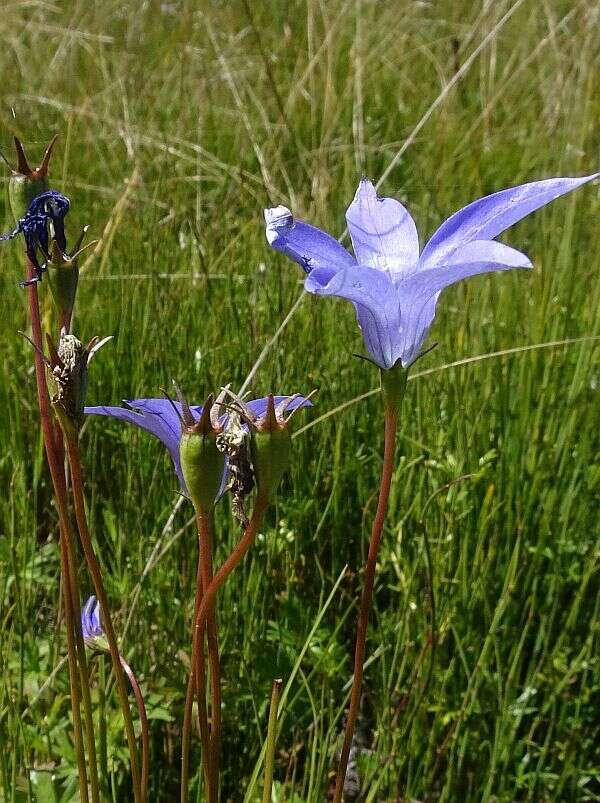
(179, 122)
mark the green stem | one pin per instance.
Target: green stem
(96, 575)
(271, 740)
(68, 573)
(391, 419)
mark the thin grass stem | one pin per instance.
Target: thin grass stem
(271, 740)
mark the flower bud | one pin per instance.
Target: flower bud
(26, 183)
(202, 463)
(91, 626)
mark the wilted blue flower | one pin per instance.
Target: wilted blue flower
(46, 209)
(91, 626)
(162, 418)
(393, 288)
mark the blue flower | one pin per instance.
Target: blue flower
(162, 418)
(91, 626)
(395, 289)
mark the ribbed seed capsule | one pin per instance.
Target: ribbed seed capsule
(26, 183)
(202, 463)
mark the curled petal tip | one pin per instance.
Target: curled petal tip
(278, 219)
(95, 345)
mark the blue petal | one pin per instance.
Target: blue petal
(384, 235)
(305, 244)
(418, 293)
(488, 217)
(374, 297)
(259, 406)
(155, 416)
(91, 625)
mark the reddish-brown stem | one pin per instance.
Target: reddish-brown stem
(205, 524)
(77, 668)
(96, 575)
(205, 606)
(391, 419)
(201, 684)
(143, 725)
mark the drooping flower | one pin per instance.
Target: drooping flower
(395, 289)
(91, 626)
(162, 418)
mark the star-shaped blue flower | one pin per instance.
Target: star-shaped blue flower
(395, 289)
(162, 418)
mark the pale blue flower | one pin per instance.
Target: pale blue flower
(395, 289)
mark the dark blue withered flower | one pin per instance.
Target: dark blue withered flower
(42, 223)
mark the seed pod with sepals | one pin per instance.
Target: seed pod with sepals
(27, 183)
(63, 275)
(202, 463)
(270, 439)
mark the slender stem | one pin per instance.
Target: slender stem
(197, 662)
(68, 573)
(96, 575)
(205, 606)
(271, 740)
(205, 524)
(200, 664)
(391, 419)
(103, 725)
(143, 725)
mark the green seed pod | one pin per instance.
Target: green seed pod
(26, 183)
(63, 276)
(202, 463)
(270, 447)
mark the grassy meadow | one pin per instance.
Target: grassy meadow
(179, 122)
